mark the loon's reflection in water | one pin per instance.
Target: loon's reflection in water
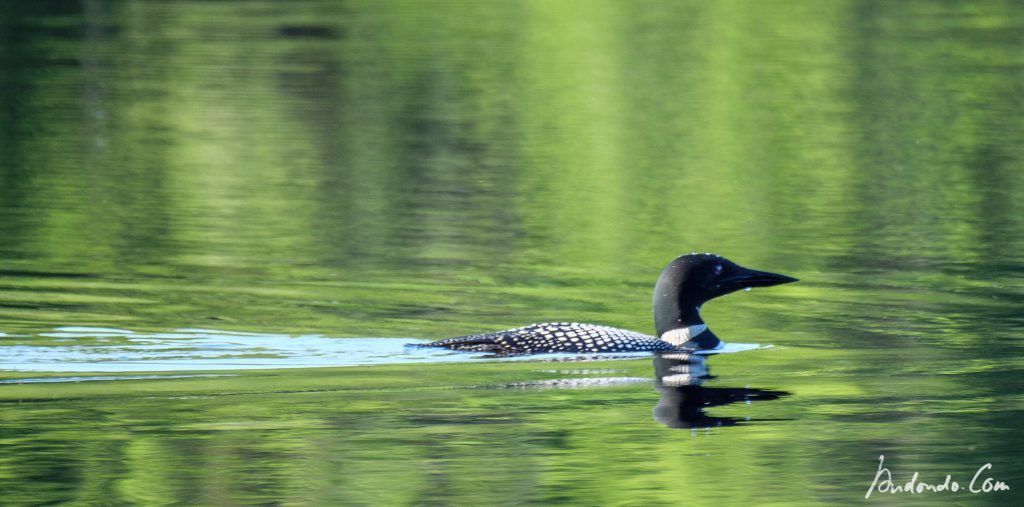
(678, 377)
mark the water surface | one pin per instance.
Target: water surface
(206, 208)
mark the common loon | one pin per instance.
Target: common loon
(685, 284)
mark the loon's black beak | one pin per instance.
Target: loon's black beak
(748, 278)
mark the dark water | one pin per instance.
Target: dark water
(200, 201)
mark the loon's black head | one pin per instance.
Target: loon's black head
(691, 280)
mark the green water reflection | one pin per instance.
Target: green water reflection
(391, 169)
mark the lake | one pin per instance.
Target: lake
(221, 222)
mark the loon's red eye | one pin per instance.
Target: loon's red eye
(718, 269)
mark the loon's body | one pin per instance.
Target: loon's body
(557, 337)
(684, 285)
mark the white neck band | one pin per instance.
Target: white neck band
(680, 336)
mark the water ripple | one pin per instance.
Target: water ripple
(93, 349)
